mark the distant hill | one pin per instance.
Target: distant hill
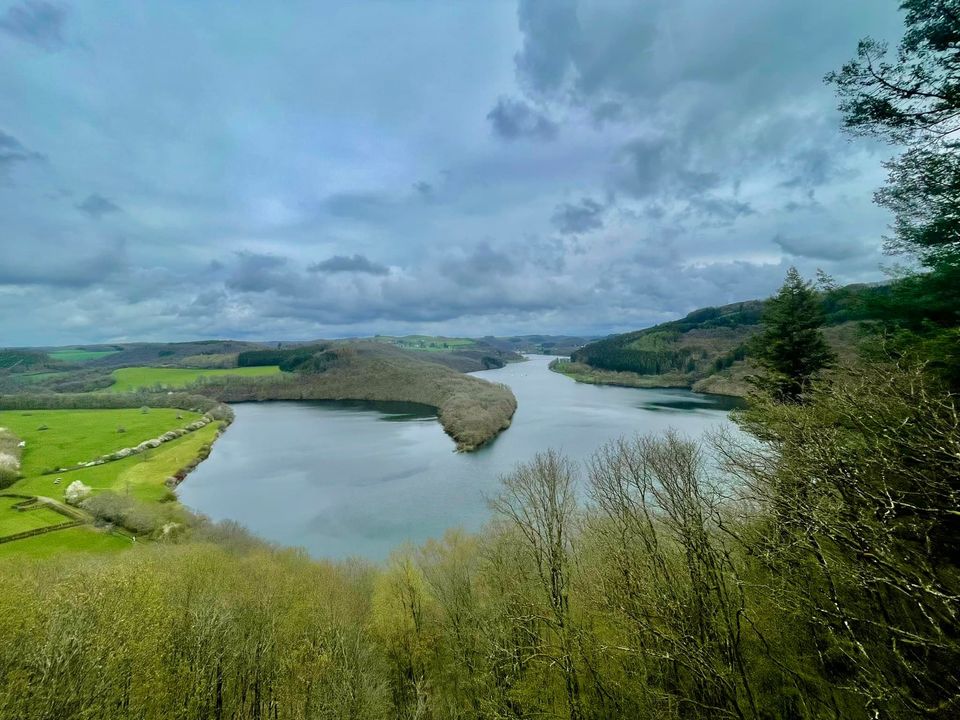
(707, 350)
(539, 344)
(460, 353)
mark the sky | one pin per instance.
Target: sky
(185, 169)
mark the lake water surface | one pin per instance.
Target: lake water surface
(359, 478)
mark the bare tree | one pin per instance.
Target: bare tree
(539, 498)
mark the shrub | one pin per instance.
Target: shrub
(8, 476)
(77, 492)
(135, 515)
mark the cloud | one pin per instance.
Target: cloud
(550, 29)
(573, 219)
(13, 152)
(570, 166)
(823, 248)
(37, 22)
(348, 264)
(96, 206)
(56, 265)
(255, 272)
(515, 120)
(659, 166)
(479, 265)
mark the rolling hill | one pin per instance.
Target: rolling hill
(708, 349)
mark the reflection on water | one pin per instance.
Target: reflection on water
(684, 401)
(358, 478)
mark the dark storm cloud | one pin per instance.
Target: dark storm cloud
(823, 248)
(576, 218)
(652, 166)
(720, 210)
(12, 152)
(73, 267)
(482, 262)
(260, 272)
(349, 264)
(515, 120)
(550, 28)
(36, 22)
(96, 206)
(813, 167)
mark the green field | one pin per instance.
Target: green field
(74, 436)
(430, 343)
(14, 521)
(141, 475)
(80, 355)
(134, 378)
(82, 539)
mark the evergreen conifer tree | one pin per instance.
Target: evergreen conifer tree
(791, 347)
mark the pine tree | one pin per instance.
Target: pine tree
(791, 347)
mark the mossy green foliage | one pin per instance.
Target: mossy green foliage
(141, 475)
(74, 436)
(136, 378)
(80, 354)
(71, 543)
(14, 521)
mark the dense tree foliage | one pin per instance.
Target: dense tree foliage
(791, 348)
(823, 583)
(712, 339)
(288, 359)
(913, 101)
(23, 360)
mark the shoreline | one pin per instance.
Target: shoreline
(592, 376)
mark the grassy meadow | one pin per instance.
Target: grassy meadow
(134, 378)
(13, 521)
(80, 355)
(73, 436)
(141, 476)
(83, 540)
(432, 343)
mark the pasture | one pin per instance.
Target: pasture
(141, 476)
(80, 354)
(134, 378)
(13, 521)
(433, 343)
(73, 436)
(83, 540)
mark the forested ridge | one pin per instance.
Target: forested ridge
(711, 339)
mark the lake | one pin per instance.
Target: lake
(359, 478)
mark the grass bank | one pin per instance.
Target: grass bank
(131, 379)
(64, 438)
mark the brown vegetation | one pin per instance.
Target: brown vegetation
(472, 411)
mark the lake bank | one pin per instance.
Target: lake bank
(727, 383)
(471, 410)
(360, 478)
